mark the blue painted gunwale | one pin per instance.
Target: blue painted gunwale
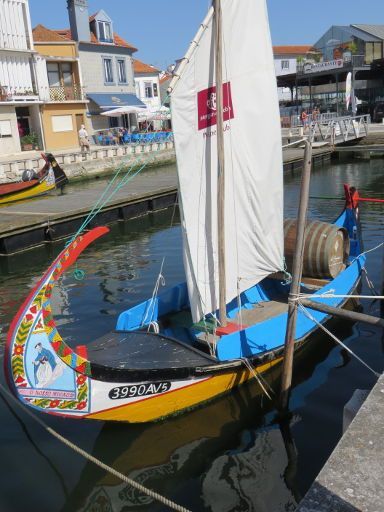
(268, 335)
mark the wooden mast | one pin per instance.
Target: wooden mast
(220, 163)
(286, 378)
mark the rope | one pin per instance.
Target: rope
(369, 250)
(94, 460)
(258, 377)
(160, 280)
(308, 315)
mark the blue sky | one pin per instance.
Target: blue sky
(162, 29)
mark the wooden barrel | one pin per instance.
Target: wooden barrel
(326, 248)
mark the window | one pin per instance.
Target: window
(121, 71)
(108, 74)
(105, 32)
(53, 74)
(5, 128)
(59, 74)
(285, 64)
(155, 93)
(373, 51)
(148, 89)
(62, 123)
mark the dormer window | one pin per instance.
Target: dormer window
(105, 31)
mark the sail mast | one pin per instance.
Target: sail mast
(220, 164)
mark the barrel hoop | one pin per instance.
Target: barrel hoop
(322, 259)
(313, 265)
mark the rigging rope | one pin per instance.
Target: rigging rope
(169, 503)
(335, 338)
(260, 379)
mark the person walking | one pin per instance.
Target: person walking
(83, 137)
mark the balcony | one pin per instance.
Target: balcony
(18, 94)
(66, 93)
(348, 61)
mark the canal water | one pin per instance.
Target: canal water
(229, 455)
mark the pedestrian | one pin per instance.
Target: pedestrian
(83, 137)
(304, 117)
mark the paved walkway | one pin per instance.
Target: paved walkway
(352, 478)
(25, 215)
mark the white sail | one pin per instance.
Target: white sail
(253, 156)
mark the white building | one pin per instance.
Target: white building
(147, 84)
(286, 59)
(19, 73)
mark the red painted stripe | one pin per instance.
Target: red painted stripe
(87, 239)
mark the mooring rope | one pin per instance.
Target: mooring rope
(169, 503)
(261, 381)
(335, 338)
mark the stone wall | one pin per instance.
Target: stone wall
(100, 160)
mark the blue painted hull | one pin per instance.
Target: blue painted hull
(263, 337)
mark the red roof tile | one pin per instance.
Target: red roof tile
(141, 67)
(118, 41)
(43, 34)
(295, 50)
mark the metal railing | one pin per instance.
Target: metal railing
(356, 61)
(8, 93)
(338, 130)
(66, 93)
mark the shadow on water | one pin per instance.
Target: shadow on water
(228, 455)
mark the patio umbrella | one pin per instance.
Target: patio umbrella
(127, 109)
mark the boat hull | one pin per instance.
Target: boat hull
(37, 189)
(48, 375)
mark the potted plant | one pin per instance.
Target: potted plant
(29, 142)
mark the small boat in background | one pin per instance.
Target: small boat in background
(33, 184)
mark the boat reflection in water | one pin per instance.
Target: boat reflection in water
(228, 455)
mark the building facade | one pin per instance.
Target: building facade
(356, 49)
(64, 107)
(20, 69)
(147, 84)
(286, 59)
(106, 65)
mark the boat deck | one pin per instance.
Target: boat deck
(144, 351)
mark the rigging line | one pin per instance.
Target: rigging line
(257, 376)
(160, 280)
(96, 207)
(335, 338)
(366, 252)
(330, 295)
(169, 503)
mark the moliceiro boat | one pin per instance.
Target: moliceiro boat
(226, 324)
(33, 184)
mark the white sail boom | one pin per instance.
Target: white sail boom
(253, 157)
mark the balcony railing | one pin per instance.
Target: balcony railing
(24, 94)
(355, 61)
(66, 93)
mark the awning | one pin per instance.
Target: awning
(109, 101)
(117, 112)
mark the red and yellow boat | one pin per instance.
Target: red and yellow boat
(51, 176)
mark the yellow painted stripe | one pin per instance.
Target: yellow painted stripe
(39, 189)
(166, 404)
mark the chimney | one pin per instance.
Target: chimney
(79, 19)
